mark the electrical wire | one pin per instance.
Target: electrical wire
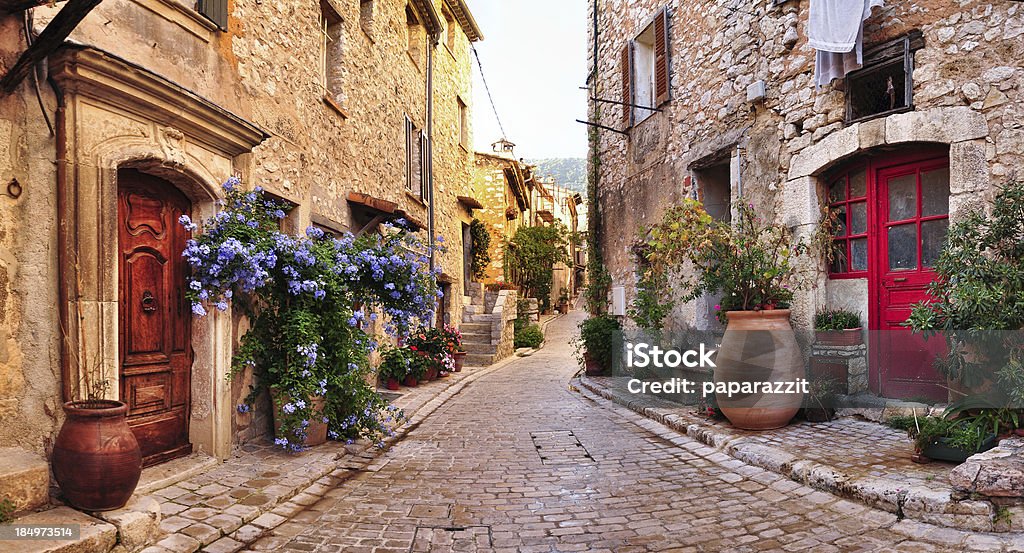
(27, 24)
(488, 89)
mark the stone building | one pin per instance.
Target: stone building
(558, 203)
(503, 185)
(724, 109)
(354, 112)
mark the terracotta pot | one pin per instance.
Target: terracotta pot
(759, 346)
(96, 458)
(431, 374)
(848, 337)
(593, 366)
(392, 384)
(460, 359)
(316, 432)
(1019, 431)
(410, 381)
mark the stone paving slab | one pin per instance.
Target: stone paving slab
(225, 508)
(862, 460)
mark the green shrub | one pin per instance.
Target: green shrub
(836, 319)
(529, 336)
(6, 510)
(597, 339)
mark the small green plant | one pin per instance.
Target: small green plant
(836, 319)
(529, 336)
(597, 340)
(1003, 515)
(530, 259)
(481, 248)
(395, 363)
(6, 510)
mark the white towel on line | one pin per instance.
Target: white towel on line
(835, 28)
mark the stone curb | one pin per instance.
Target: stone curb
(917, 503)
(363, 459)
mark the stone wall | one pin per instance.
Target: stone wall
(264, 70)
(491, 189)
(967, 94)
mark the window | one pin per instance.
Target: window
(415, 36)
(715, 186)
(848, 198)
(417, 152)
(463, 124)
(884, 85)
(366, 16)
(644, 67)
(290, 222)
(331, 68)
(214, 10)
(449, 29)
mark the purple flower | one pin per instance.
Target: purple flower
(243, 408)
(198, 310)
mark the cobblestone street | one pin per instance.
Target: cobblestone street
(518, 462)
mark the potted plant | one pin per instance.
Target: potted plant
(837, 327)
(749, 262)
(453, 339)
(595, 345)
(563, 301)
(307, 299)
(394, 366)
(96, 458)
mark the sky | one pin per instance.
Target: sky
(534, 56)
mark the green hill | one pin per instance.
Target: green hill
(570, 172)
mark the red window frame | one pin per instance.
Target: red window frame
(846, 203)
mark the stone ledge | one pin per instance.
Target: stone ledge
(96, 536)
(998, 472)
(24, 479)
(137, 523)
(931, 506)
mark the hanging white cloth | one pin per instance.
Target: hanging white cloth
(835, 28)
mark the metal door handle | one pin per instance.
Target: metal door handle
(148, 301)
(900, 279)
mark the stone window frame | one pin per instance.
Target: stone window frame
(463, 122)
(657, 25)
(332, 35)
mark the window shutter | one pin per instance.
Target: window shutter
(424, 165)
(216, 11)
(408, 153)
(661, 82)
(627, 84)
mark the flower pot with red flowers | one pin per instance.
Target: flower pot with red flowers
(394, 366)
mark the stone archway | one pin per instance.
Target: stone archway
(962, 129)
(118, 116)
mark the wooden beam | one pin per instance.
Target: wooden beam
(47, 42)
(11, 6)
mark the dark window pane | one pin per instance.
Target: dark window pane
(933, 236)
(935, 192)
(839, 263)
(837, 190)
(859, 218)
(859, 184)
(840, 220)
(859, 254)
(903, 247)
(902, 197)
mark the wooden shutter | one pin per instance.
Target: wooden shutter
(216, 11)
(408, 153)
(661, 61)
(424, 165)
(627, 84)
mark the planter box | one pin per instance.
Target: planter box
(940, 450)
(848, 337)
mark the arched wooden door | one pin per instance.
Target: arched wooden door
(154, 320)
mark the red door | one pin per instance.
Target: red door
(910, 220)
(154, 323)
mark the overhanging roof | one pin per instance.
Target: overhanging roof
(425, 9)
(384, 208)
(465, 18)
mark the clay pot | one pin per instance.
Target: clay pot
(431, 374)
(759, 346)
(96, 458)
(410, 381)
(592, 365)
(316, 432)
(847, 337)
(392, 384)
(460, 359)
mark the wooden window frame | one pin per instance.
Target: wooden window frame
(881, 58)
(846, 203)
(661, 68)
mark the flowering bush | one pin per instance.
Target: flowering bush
(307, 298)
(452, 337)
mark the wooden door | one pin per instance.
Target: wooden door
(911, 217)
(154, 322)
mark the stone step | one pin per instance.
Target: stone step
(480, 348)
(472, 310)
(475, 328)
(24, 479)
(478, 337)
(137, 523)
(479, 359)
(95, 535)
(484, 318)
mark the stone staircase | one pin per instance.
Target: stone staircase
(477, 326)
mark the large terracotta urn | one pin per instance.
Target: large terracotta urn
(759, 346)
(96, 458)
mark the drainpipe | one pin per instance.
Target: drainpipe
(434, 41)
(62, 233)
